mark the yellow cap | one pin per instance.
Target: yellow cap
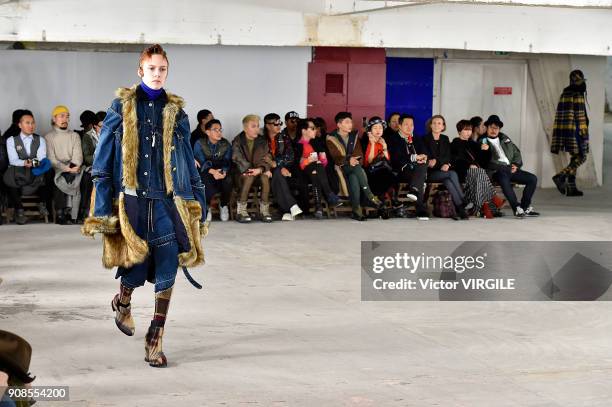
(59, 109)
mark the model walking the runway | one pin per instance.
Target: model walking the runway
(149, 200)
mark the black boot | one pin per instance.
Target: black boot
(571, 189)
(60, 218)
(560, 182)
(316, 195)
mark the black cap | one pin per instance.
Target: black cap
(494, 119)
(342, 115)
(291, 115)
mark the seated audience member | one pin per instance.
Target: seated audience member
(319, 143)
(252, 161)
(505, 166)
(291, 120)
(199, 133)
(312, 163)
(66, 155)
(89, 143)
(345, 149)
(478, 128)
(439, 163)
(213, 154)
(282, 167)
(27, 153)
(13, 129)
(88, 120)
(409, 162)
(377, 164)
(392, 126)
(467, 157)
(15, 355)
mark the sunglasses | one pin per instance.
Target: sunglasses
(275, 123)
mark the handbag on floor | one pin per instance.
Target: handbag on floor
(443, 206)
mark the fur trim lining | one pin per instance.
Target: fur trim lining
(130, 140)
(191, 213)
(100, 224)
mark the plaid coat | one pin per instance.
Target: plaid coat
(571, 127)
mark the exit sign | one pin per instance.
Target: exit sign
(502, 90)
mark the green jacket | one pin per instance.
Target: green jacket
(89, 146)
(510, 149)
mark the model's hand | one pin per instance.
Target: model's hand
(473, 166)
(285, 172)
(197, 164)
(268, 174)
(28, 163)
(353, 161)
(432, 163)
(421, 158)
(312, 159)
(513, 168)
(255, 171)
(484, 147)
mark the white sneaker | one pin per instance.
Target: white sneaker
(209, 216)
(295, 211)
(224, 214)
(519, 213)
(411, 197)
(287, 216)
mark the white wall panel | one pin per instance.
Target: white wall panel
(230, 81)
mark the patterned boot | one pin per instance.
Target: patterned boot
(153, 339)
(572, 190)
(123, 315)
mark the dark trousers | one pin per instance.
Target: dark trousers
(359, 189)
(281, 190)
(317, 175)
(381, 181)
(450, 181)
(86, 190)
(213, 186)
(505, 178)
(15, 195)
(415, 177)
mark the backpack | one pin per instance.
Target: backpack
(443, 206)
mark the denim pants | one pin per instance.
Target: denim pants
(156, 227)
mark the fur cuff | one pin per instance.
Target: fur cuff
(100, 224)
(204, 229)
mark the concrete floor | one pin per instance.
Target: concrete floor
(288, 328)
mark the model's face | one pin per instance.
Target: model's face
(377, 131)
(27, 125)
(407, 126)
(310, 132)
(215, 133)
(465, 134)
(394, 122)
(154, 71)
(437, 125)
(493, 130)
(61, 120)
(346, 125)
(251, 129)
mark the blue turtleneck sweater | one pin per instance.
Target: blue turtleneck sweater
(151, 93)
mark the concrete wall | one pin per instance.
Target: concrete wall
(230, 81)
(538, 27)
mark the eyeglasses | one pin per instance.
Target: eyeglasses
(275, 123)
(217, 130)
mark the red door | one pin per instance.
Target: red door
(347, 79)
